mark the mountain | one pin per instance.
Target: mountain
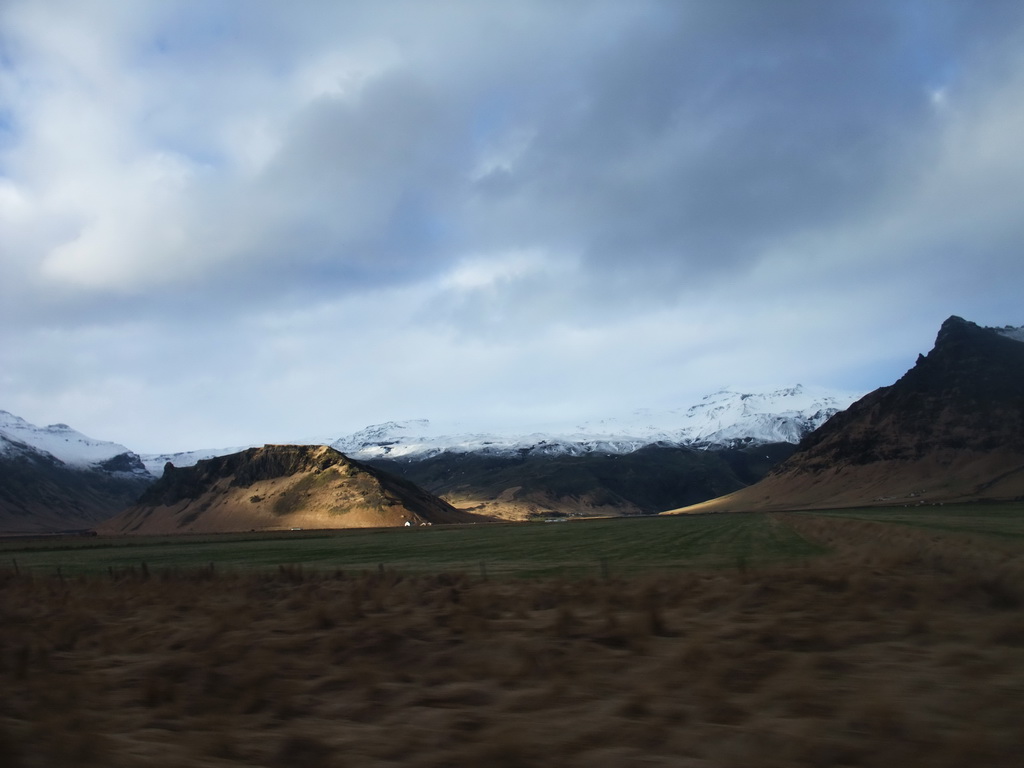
(639, 463)
(951, 429)
(537, 484)
(725, 419)
(280, 487)
(71, 448)
(56, 479)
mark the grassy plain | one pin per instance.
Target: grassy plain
(998, 520)
(854, 638)
(579, 547)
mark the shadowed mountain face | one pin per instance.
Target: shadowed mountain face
(281, 486)
(966, 394)
(951, 429)
(39, 493)
(54, 478)
(645, 481)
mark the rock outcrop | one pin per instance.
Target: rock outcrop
(281, 487)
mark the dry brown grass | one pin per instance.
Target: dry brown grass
(904, 648)
(940, 477)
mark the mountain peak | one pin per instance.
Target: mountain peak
(950, 429)
(966, 394)
(977, 363)
(70, 446)
(955, 329)
(954, 321)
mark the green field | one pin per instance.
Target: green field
(584, 547)
(858, 637)
(578, 547)
(1004, 521)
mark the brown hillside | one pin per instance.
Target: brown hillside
(951, 429)
(280, 487)
(940, 478)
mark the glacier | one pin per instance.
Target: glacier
(722, 419)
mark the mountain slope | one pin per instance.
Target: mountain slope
(71, 447)
(39, 493)
(280, 487)
(644, 481)
(639, 463)
(724, 419)
(951, 429)
(56, 479)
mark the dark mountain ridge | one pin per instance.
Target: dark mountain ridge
(967, 393)
(646, 481)
(950, 429)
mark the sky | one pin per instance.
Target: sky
(231, 222)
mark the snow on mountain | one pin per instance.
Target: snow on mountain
(11, 449)
(67, 445)
(783, 416)
(421, 438)
(721, 419)
(1017, 334)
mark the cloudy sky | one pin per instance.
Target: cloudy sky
(225, 222)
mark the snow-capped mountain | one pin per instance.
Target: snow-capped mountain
(421, 438)
(57, 479)
(951, 429)
(68, 446)
(725, 418)
(784, 416)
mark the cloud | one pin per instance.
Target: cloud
(471, 206)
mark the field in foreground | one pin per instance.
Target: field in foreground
(791, 640)
(575, 548)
